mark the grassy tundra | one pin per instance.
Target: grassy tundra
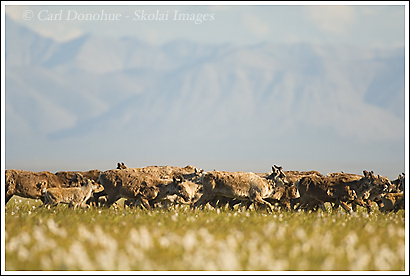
(181, 239)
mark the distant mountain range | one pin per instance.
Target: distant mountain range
(92, 92)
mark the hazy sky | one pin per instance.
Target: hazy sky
(367, 25)
(379, 24)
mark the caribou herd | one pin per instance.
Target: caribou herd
(163, 186)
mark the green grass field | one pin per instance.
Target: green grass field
(180, 239)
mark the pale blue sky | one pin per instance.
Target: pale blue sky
(365, 25)
(376, 26)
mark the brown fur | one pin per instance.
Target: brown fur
(239, 185)
(399, 204)
(121, 166)
(69, 179)
(74, 196)
(293, 176)
(29, 184)
(188, 172)
(343, 174)
(379, 187)
(389, 201)
(397, 185)
(189, 192)
(135, 185)
(339, 177)
(289, 177)
(340, 189)
(316, 190)
(167, 172)
(283, 196)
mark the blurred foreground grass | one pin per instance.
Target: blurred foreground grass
(180, 239)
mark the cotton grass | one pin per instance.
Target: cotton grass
(180, 239)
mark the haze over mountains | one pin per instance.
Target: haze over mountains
(94, 101)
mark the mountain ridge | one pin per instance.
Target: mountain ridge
(186, 93)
